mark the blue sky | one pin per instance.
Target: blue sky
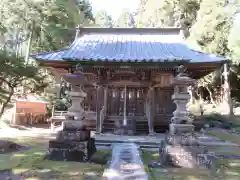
(114, 7)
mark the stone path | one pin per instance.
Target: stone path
(225, 156)
(126, 163)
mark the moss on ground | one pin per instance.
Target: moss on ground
(32, 163)
(227, 169)
(224, 135)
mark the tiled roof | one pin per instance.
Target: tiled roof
(132, 45)
(51, 56)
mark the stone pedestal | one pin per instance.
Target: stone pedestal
(74, 142)
(181, 147)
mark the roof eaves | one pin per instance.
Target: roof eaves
(87, 30)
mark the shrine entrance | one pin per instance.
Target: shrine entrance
(126, 101)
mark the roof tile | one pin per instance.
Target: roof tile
(138, 47)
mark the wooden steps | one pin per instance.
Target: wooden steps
(106, 140)
(161, 123)
(142, 127)
(141, 124)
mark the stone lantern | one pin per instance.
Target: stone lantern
(77, 95)
(74, 142)
(181, 120)
(180, 148)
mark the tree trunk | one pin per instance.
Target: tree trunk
(199, 94)
(28, 47)
(11, 91)
(227, 91)
(211, 96)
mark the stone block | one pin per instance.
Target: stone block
(71, 150)
(187, 139)
(179, 129)
(126, 163)
(62, 144)
(74, 135)
(66, 155)
(72, 125)
(184, 156)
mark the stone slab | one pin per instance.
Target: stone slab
(73, 125)
(126, 163)
(185, 157)
(74, 135)
(71, 150)
(65, 155)
(71, 144)
(61, 144)
(187, 139)
(180, 128)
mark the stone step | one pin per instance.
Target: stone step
(126, 162)
(107, 143)
(141, 126)
(128, 117)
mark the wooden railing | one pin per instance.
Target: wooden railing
(59, 113)
(59, 117)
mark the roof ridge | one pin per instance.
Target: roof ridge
(92, 30)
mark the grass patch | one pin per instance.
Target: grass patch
(223, 135)
(228, 169)
(171, 173)
(33, 163)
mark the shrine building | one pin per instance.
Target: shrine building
(128, 72)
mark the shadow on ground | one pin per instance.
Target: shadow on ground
(32, 163)
(226, 169)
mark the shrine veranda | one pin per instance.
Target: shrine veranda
(125, 75)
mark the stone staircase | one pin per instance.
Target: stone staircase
(149, 142)
(141, 124)
(108, 125)
(161, 123)
(142, 127)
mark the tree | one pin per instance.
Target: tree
(167, 13)
(28, 26)
(212, 27)
(125, 20)
(51, 24)
(15, 73)
(233, 38)
(103, 19)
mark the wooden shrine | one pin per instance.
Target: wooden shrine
(129, 73)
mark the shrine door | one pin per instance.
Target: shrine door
(135, 100)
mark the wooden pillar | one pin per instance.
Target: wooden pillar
(125, 107)
(98, 109)
(151, 111)
(105, 101)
